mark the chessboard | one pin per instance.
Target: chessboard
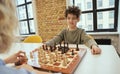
(58, 58)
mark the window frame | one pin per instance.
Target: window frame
(95, 11)
(27, 17)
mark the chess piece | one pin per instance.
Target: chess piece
(72, 52)
(31, 55)
(59, 58)
(60, 44)
(51, 48)
(77, 48)
(45, 58)
(43, 47)
(51, 58)
(46, 47)
(67, 46)
(56, 52)
(64, 60)
(54, 48)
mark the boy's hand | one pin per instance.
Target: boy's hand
(95, 49)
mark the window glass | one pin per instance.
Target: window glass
(25, 16)
(100, 26)
(111, 25)
(84, 4)
(100, 15)
(29, 0)
(102, 4)
(30, 11)
(18, 2)
(111, 3)
(89, 5)
(111, 14)
(86, 23)
(23, 27)
(107, 19)
(22, 13)
(32, 26)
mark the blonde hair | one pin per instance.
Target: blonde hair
(8, 23)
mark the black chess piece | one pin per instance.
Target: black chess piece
(77, 48)
(67, 46)
(64, 48)
(72, 52)
(54, 46)
(51, 49)
(60, 47)
(60, 44)
(43, 47)
(46, 47)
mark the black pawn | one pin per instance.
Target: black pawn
(77, 48)
(55, 46)
(43, 47)
(67, 47)
(60, 44)
(51, 49)
(46, 47)
(72, 52)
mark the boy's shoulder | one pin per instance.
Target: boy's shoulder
(77, 30)
(66, 29)
(80, 29)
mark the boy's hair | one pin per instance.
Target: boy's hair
(73, 10)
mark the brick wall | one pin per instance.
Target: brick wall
(50, 17)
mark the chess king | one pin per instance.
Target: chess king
(72, 34)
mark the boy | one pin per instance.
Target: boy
(72, 34)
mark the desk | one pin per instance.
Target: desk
(108, 62)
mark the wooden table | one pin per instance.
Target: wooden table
(108, 62)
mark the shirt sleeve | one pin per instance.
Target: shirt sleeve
(87, 39)
(56, 40)
(2, 62)
(10, 70)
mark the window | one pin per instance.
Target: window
(79, 5)
(87, 19)
(111, 2)
(25, 16)
(111, 25)
(89, 27)
(89, 5)
(111, 14)
(99, 3)
(99, 14)
(100, 26)
(89, 16)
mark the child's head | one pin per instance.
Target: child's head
(72, 16)
(8, 23)
(73, 10)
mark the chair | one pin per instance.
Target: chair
(33, 39)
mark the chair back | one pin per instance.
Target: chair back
(33, 39)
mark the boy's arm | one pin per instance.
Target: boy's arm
(56, 40)
(91, 43)
(87, 40)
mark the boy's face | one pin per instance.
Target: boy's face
(72, 20)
